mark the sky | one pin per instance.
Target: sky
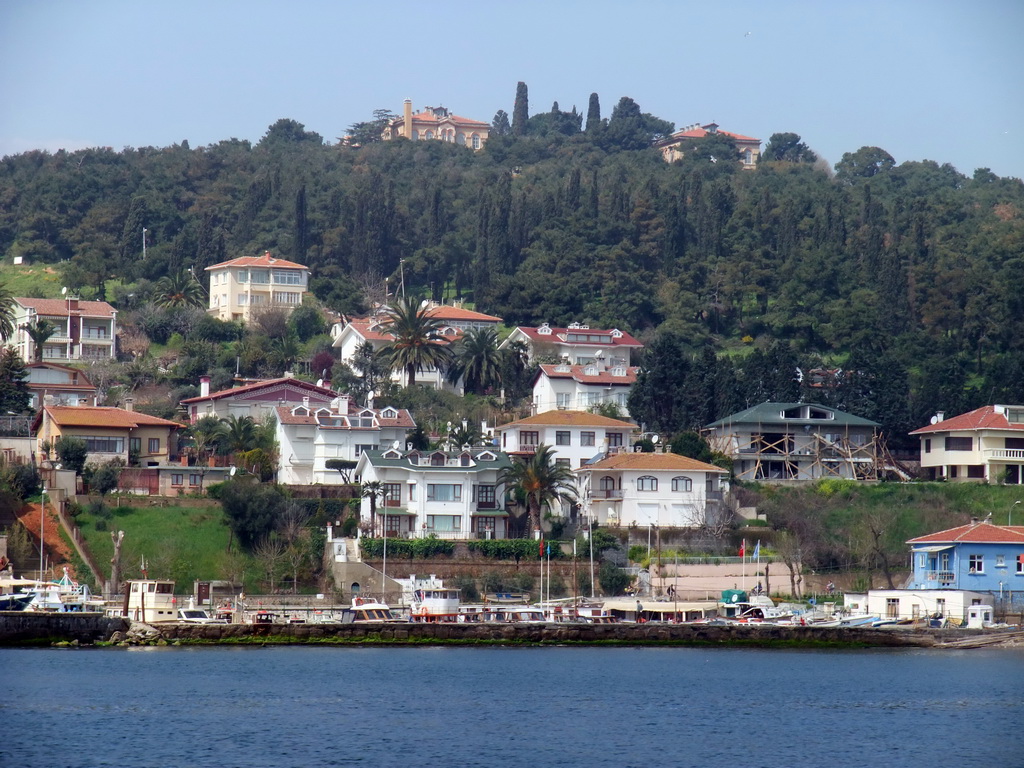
(936, 80)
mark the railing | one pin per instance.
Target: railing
(1005, 453)
(606, 494)
(527, 448)
(714, 495)
(944, 576)
(392, 503)
(453, 535)
(96, 333)
(485, 505)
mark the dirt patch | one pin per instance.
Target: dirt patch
(58, 551)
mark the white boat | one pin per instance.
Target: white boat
(367, 609)
(435, 604)
(63, 596)
(193, 615)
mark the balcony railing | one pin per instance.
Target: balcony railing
(606, 494)
(486, 505)
(946, 577)
(527, 448)
(1016, 454)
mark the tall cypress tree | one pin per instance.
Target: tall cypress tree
(593, 114)
(521, 110)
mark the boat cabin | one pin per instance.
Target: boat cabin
(150, 601)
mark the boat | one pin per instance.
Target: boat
(63, 596)
(367, 609)
(193, 615)
(577, 611)
(434, 605)
(16, 602)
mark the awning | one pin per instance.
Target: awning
(489, 513)
(936, 548)
(381, 511)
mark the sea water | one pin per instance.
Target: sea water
(496, 707)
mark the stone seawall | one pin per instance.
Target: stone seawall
(34, 628)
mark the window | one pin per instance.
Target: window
(243, 299)
(976, 470)
(444, 523)
(647, 483)
(485, 497)
(959, 443)
(529, 438)
(563, 399)
(392, 494)
(563, 438)
(562, 463)
(104, 444)
(135, 445)
(361, 448)
(614, 439)
(243, 276)
(1000, 561)
(476, 141)
(928, 445)
(976, 563)
(588, 438)
(194, 480)
(606, 485)
(154, 445)
(485, 524)
(444, 492)
(682, 484)
(940, 606)
(288, 298)
(1020, 565)
(892, 607)
(177, 479)
(261, 276)
(287, 277)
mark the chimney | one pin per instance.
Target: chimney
(204, 386)
(407, 115)
(129, 403)
(305, 401)
(72, 303)
(940, 416)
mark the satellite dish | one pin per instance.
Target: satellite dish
(396, 444)
(319, 382)
(64, 291)
(233, 470)
(655, 439)
(934, 420)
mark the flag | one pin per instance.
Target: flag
(549, 551)
(540, 551)
(743, 548)
(757, 550)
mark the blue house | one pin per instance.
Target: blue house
(980, 557)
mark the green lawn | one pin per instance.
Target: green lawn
(31, 280)
(179, 543)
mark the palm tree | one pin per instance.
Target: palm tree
(39, 331)
(238, 433)
(417, 341)
(477, 361)
(179, 290)
(373, 490)
(539, 481)
(6, 313)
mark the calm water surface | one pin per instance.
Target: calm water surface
(498, 707)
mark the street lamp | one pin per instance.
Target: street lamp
(42, 530)
(144, 231)
(1009, 515)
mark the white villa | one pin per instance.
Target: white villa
(662, 489)
(983, 445)
(578, 387)
(85, 330)
(575, 437)
(448, 494)
(239, 286)
(309, 435)
(577, 344)
(255, 398)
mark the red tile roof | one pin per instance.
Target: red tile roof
(114, 418)
(323, 393)
(576, 372)
(701, 132)
(430, 117)
(985, 417)
(58, 307)
(285, 416)
(445, 312)
(570, 419)
(560, 335)
(653, 462)
(975, 533)
(266, 260)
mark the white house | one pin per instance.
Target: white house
(918, 604)
(662, 489)
(575, 437)
(577, 344)
(578, 387)
(448, 494)
(239, 286)
(85, 330)
(351, 334)
(983, 445)
(310, 435)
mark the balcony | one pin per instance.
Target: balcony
(1012, 454)
(606, 494)
(486, 506)
(527, 448)
(944, 577)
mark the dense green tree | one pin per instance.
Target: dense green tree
(253, 510)
(500, 125)
(594, 123)
(476, 361)
(180, 289)
(788, 147)
(521, 110)
(863, 164)
(39, 332)
(72, 452)
(14, 394)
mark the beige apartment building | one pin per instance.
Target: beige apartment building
(250, 283)
(438, 124)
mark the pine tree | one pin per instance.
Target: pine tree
(521, 110)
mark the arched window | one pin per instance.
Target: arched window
(647, 483)
(748, 157)
(682, 484)
(607, 486)
(428, 135)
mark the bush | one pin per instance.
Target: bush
(511, 549)
(467, 588)
(410, 549)
(21, 479)
(613, 580)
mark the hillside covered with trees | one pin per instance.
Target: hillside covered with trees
(901, 282)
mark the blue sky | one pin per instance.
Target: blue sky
(923, 80)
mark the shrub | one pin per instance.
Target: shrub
(613, 580)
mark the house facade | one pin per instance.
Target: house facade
(674, 147)
(578, 387)
(980, 557)
(797, 441)
(85, 330)
(916, 604)
(577, 344)
(310, 436)
(256, 399)
(57, 384)
(983, 445)
(651, 489)
(437, 124)
(454, 321)
(250, 283)
(448, 494)
(109, 433)
(575, 437)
